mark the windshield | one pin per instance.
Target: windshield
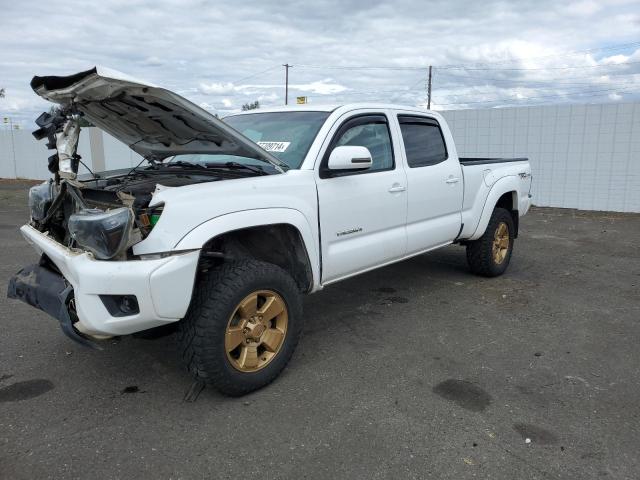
(286, 135)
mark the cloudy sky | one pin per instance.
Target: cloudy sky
(224, 54)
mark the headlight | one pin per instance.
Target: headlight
(40, 197)
(105, 234)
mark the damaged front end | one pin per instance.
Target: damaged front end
(61, 127)
(42, 286)
(74, 215)
(82, 214)
(86, 226)
(80, 218)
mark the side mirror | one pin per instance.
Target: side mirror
(349, 157)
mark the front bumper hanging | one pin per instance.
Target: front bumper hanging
(42, 288)
(162, 288)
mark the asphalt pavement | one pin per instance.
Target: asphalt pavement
(418, 370)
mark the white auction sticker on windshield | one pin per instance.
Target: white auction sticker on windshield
(274, 146)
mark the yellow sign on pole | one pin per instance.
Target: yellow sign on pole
(301, 100)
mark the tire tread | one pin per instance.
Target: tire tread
(479, 252)
(207, 317)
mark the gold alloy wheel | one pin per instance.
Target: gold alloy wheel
(500, 243)
(256, 330)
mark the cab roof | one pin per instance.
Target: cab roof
(333, 107)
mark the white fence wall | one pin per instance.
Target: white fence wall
(22, 156)
(582, 156)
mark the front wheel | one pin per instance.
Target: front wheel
(490, 254)
(242, 327)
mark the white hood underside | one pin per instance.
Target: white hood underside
(152, 121)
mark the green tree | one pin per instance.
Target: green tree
(251, 106)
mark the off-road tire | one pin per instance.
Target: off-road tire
(201, 333)
(480, 252)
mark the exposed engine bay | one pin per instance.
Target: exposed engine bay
(103, 213)
(108, 212)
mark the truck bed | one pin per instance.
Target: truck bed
(480, 175)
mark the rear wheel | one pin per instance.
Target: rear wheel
(242, 327)
(490, 254)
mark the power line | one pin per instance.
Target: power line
(460, 67)
(528, 82)
(361, 67)
(620, 89)
(540, 68)
(586, 95)
(255, 74)
(538, 85)
(620, 46)
(376, 92)
(546, 86)
(462, 73)
(612, 89)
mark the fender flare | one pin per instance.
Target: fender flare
(502, 186)
(239, 220)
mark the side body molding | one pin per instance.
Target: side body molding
(229, 222)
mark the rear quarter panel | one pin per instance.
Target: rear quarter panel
(484, 184)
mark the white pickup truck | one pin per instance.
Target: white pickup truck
(229, 223)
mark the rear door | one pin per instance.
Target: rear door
(435, 184)
(362, 213)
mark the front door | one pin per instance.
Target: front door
(362, 213)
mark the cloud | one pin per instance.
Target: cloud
(173, 44)
(153, 61)
(618, 59)
(217, 88)
(321, 87)
(270, 98)
(584, 8)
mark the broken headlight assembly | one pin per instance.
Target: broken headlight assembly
(105, 234)
(40, 198)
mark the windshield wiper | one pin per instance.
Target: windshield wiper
(239, 166)
(181, 163)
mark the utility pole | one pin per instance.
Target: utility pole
(429, 89)
(286, 83)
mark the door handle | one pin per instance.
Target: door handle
(396, 187)
(452, 180)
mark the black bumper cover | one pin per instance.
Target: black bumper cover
(47, 290)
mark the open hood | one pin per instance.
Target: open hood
(153, 121)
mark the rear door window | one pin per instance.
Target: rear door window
(423, 141)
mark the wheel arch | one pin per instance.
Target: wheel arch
(281, 236)
(503, 194)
